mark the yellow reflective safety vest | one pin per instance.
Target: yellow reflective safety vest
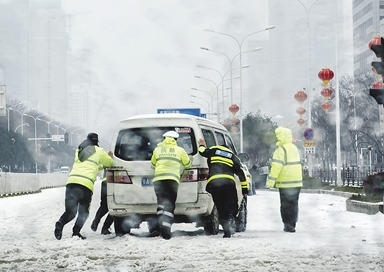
(286, 169)
(85, 172)
(169, 160)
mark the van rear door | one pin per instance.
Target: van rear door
(133, 151)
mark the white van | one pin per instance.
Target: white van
(131, 198)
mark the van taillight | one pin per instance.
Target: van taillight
(194, 174)
(118, 176)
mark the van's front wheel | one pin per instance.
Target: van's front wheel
(211, 222)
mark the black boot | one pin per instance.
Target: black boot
(166, 232)
(227, 229)
(58, 230)
(289, 228)
(79, 235)
(105, 231)
(94, 225)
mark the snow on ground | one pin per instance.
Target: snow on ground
(328, 238)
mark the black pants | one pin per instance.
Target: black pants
(289, 205)
(224, 195)
(166, 193)
(103, 209)
(77, 201)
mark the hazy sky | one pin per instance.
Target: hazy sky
(144, 53)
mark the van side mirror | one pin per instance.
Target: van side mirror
(244, 157)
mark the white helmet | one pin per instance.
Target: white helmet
(172, 134)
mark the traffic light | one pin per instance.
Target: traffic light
(66, 138)
(377, 90)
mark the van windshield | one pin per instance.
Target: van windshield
(137, 144)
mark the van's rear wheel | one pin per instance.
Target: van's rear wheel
(241, 218)
(211, 223)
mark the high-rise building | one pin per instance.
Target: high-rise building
(14, 58)
(366, 24)
(33, 54)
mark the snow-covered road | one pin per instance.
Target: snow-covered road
(328, 238)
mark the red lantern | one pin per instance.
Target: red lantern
(326, 106)
(301, 121)
(300, 96)
(326, 75)
(234, 109)
(234, 120)
(300, 111)
(326, 92)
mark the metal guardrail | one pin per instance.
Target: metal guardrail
(351, 176)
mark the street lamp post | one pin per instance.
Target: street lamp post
(35, 120)
(240, 44)
(57, 130)
(48, 123)
(217, 90)
(355, 124)
(10, 108)
(307, 10)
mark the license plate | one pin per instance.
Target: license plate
(146, 182)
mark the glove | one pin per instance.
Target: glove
(382, 185)
(244, 191)
(270, 183)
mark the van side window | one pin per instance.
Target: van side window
(208, 137)
(220, 138)
(230, 144)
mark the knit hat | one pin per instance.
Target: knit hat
(93, 137)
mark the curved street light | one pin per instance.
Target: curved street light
(48, 123)
(25, 124)
(217, 90)
(21, 114)
(10, 108)
(193, 102)
(210, 106)
(240, 44)
(231, 61)
(222, 79)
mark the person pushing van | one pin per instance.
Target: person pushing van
(169, 159)
(223, 164)
(89, 160)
